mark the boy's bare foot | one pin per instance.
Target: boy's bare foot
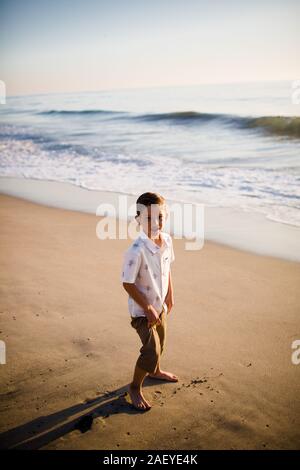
(138, 400)
(163, 375)
(146, 401)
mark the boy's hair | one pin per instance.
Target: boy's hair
(146, 199)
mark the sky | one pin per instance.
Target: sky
(51, 46)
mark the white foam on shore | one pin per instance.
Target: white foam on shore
(243, 230)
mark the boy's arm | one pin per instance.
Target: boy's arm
(141, 299)
(170, 296)
(138, 296)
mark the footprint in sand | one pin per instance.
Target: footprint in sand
(195, 383)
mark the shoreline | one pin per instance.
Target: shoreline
(246, 231)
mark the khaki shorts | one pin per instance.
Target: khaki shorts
(153, 339)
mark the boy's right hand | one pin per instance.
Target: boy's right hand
(152, 316)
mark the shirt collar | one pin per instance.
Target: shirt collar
(153, 247)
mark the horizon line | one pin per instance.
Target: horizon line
(146, 87)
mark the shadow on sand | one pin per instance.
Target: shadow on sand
(45, 429)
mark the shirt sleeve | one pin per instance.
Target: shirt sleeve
(131, 266)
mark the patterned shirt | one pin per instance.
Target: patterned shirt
(147, 266)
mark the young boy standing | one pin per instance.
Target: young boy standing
(146, 277)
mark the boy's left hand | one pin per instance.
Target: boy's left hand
(170, 303)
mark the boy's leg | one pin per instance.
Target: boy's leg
(147, 361)
(135, 389)
(162, 331)
(150, 350)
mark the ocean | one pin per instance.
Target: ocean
(233, 145)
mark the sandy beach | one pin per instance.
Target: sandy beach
(71, 349)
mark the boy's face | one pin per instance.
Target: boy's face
(152, 220)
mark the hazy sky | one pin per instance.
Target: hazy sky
(81, 45)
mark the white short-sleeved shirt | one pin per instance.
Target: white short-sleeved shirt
(147, 266)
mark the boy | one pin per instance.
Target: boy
(146, 277)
